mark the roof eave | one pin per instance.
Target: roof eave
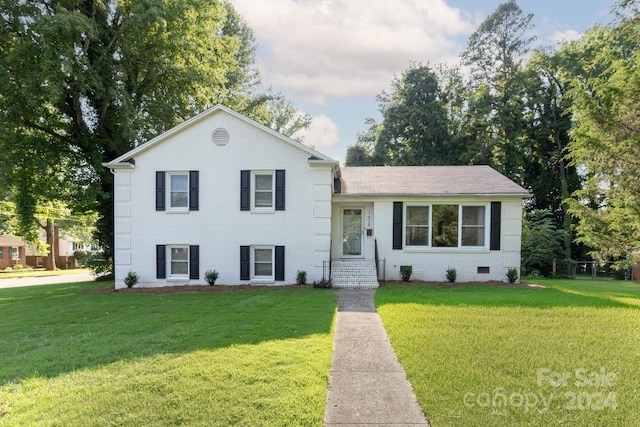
(519, 195)
(119, 165)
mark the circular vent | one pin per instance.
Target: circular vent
(220, 137)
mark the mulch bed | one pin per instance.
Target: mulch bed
(227, 288)
(193, 288)
(449, 285)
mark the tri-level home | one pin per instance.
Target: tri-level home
(221, 191)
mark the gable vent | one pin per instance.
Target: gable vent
(220, 137)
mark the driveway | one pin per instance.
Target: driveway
(46, 280)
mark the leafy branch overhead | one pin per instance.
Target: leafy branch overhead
(104, 77)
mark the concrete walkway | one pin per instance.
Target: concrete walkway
(367, 385)
(46, 280)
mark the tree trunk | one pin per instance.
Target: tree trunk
(51, 241)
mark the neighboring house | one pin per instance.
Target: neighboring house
(12, 251)
(63, 252)
(223, 192)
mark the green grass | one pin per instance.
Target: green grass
(465, 348)
(29, 272)
(233, 358)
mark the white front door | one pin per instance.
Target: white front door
(352, 232)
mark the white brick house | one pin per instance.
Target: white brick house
(223, 192)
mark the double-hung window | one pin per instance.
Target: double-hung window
(263, 194)
(417, 226)
(179, 261)
(473, 225)
(178, 191)
(14, 254)
(263, 262)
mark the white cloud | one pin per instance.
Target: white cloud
(323, 133)
(559, 37)
(320, 48)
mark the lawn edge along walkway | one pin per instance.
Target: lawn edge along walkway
(367, 383)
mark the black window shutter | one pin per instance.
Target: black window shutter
(245, 260)
(280, 175)
(160, 190)
(161, 262)
(397, 225)
(194, 202)
(494, 243)
(279, 263)
(245, 190)
(194, 262)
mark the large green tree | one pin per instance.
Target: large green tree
(495, 53)
(605, 141)
(83, 81)
(415, 127)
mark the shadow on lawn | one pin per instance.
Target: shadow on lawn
(503, 296)
(59, 328)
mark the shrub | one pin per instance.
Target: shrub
(211, 276)
(512, 275)
(452, 274)
(82, 257)
(18, 267)
(131, 279)
(301, 277)
(322, 284)
(101, 267)
(405, 272)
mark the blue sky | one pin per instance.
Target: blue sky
(332, 57)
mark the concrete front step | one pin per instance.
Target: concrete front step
(354, 274)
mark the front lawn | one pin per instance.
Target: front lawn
(257, 357)
(501, 356)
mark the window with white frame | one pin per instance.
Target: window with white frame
(263, 260)
(14, 254)
(179, 190)
(263, 194)
(417, 226)
(445, 226)
(178, 261)
(473, 225)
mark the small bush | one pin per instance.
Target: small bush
(131, 279)
(452, 274)
(512, 275)
(211, 276)
(322, 284)
(301, 277)
(101, 267)
(405, 272)
(18, 267)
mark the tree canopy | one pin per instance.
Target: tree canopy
(562, 123)
(85, 81)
